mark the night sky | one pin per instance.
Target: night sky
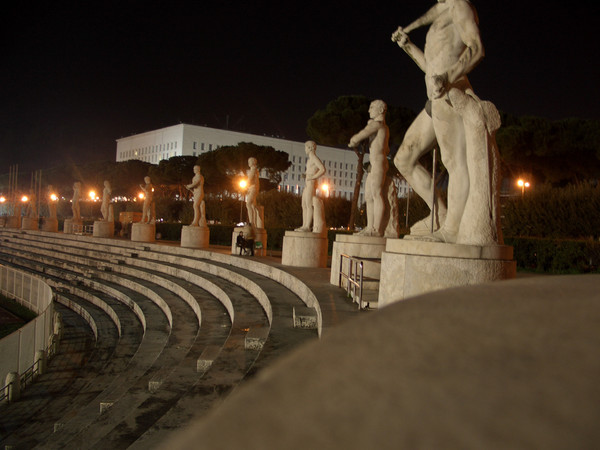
(77, 76)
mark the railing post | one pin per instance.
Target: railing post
(13, 384)
(40, 360)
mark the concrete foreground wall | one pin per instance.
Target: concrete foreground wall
(17, 351)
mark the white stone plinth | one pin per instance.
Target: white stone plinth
(50, 225)
(368, 247)
(194, 237)
(13, 222)
(416, 267)
(72, 226)
(304, 249)
(143, 232)
(103, 228)
(30, 223)
(260, 235)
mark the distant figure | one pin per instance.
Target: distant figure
(51, 202)
(378, 132)
(253, 188)
(148, 215)
(106, 197)
(75, 201)
(197, 187)
(312, 206)
(249, 237)
(241, 242)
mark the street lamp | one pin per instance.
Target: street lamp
(243, 185)
(522, 184)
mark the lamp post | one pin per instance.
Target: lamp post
(522, 184)
(243, 185)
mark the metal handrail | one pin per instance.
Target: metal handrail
(354, 278)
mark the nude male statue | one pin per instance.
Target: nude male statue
(312, 206)
(452, 49)
(379, 133)
(197, 187)
(75, 201)
(148, 215)
(105, 207)
(51, 202)
(253, 187)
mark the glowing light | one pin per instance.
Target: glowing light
(141, 196)
(523, 184)
(243, 184)
(53, 197)
(2, 199)
(325, 187)
(92, 195)
(24, 199)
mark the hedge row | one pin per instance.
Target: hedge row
(556, 256)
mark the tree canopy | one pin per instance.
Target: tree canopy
(222, 167)
(557, 152)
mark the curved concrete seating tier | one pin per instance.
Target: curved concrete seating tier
(239, 312)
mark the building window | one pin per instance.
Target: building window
(194, 146)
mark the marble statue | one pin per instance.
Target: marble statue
(462, 125)
(106, 199)
(75, 207)
(197, 187)
(148, 213)
(313, 212)
(51, 202)
(252, 193)
(378, 132)
(32, 211)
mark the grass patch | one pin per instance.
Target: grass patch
(18, 310)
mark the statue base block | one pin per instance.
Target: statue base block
(50, 225)
(13, 222)
(304, 249)
(104, 229)
(72, 226)
(195, 237)
(368, 247)
(416, 267)
(143, 232)
(260, 236)
(30, 223)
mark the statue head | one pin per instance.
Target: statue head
(147, 179)
(377, 108)
(107, 183)
(196, 168)
(252, 162)
(310, 146)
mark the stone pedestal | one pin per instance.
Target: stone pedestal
(416, 267)
(13, 222)
(30, 223)
(104, 229)
(143, 232)
(260, 235)
(304, 249)
(195, 237)
(72, 226)
(50, 225)
(364, 247)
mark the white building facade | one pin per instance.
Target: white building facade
(192, 140)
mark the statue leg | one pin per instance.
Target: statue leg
(418, 140)
(202, 214)
(449, 129)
